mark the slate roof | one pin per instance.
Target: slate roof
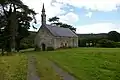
(59, 31)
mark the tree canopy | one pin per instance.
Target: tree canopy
(114, 36)
(15, 18)
(55, 20)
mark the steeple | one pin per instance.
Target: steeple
(43, 16)
(43, 8)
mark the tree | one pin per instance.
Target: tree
(114, 36)
(24, 24)
(55, 20)
(16, 15)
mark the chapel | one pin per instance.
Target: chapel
(52, 36)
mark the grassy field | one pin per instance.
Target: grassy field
(83, 63)
(13, 67)
(89, 63)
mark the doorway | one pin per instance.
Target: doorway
(43, 47)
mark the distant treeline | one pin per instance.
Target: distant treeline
(110, 39)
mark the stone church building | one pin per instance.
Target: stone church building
(54, 36)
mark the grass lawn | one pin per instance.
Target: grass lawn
(13, 67)
(83, 63)
(89, 63)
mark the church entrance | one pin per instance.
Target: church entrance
(43, 47)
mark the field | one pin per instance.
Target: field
(89, 63)
(82, 63)
(13, 67)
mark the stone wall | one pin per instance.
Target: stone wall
(44, 36)
(65, 42)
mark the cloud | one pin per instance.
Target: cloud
(71, 10)
(57, 8)
(89, 14)
(37, 26)
(100, 5)
(69, 18)
(52, 8)
(98, 28)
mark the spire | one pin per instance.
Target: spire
(43, 16)
(43, 9)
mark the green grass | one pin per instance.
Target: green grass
(89, 63)
(13, 67)
(83, 63)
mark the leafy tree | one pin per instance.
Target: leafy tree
(16, 18)
(55, 20)
(114, 36)
(24, 24)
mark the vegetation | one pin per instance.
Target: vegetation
(110, 39)
(14, 23)
(50, 48)
(106, 43)
(114, 36)
(83, 63)
(89, 63)
(45, 71)
(28, 42)
(13, 67)
(55, 20)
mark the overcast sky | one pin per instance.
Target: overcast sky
(88, 16)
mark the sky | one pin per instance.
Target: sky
(87, 16)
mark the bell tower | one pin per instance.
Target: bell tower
(43, 16)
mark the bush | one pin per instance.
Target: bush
(106, 43)
(37, 48)
(50, 48)
(69, 47)
(117, 44)
(23, 46)
(26, 45)
(82, 42)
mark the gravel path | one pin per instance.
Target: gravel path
(32, 75)
(63, 74)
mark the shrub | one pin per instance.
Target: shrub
(117, 44)
(37, 48)
(24, 46)
(82, 42)
(106, 43)
(50, 48)
(69, 47)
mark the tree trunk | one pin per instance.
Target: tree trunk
(17, 45)
(2, 51)
(13, 30)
